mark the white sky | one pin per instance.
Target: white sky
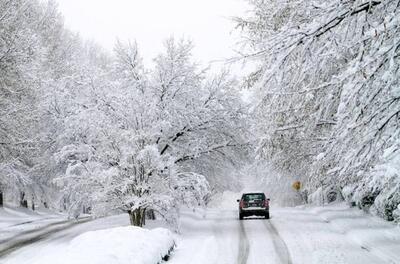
(149, 22)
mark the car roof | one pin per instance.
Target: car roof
(254, 193)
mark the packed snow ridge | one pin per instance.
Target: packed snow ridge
(120, 245)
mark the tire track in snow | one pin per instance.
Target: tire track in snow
(224, 226)
(42, 233)
(244, 247)
(27, 222)
(279, 244)
(35, 230)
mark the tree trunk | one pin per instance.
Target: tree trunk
(1, 198)
(150, 214)
(23, 202)
(33, 203)
(65, 204)
(137, 217)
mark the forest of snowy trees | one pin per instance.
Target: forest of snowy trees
(83, 128)
(328, 96)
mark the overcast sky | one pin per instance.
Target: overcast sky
(149, 22)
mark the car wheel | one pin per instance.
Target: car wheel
(240, 216)
(267, 215)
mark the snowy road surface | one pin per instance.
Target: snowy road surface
(31, 236)
(50, 248)
(334, 234)
(217, 236)
(20, 226)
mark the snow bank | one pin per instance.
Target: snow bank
(336, 234)
(120, 245)
(372, 234)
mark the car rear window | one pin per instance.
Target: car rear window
(253, 196)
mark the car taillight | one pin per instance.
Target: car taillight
(241, 204)
(266, 203)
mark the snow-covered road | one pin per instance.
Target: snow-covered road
(332, 234)
(217, 236)
(51, 247)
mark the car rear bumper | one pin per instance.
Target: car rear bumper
(254, 211)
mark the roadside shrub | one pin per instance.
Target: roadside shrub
(387, 203)
(326, 195)
(396, 214)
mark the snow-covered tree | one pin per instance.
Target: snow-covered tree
(136, 142)
(81, 128)
(24, 30)
(328, 87)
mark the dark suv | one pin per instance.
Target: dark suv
(253, 204)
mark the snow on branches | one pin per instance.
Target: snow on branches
(134, 145)
(80, 128)
(328, 86)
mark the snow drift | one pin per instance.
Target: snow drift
(121, 245)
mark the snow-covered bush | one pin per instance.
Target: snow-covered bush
(396, 214)
(348, 193)
(326, 195)
(193, 189)
(379, 191)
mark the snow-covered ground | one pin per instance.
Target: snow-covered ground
(21, 226)
(336, 234)
(119, 245)
(21, 222)
(16, 218)
(330, 234)
(93, 238)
